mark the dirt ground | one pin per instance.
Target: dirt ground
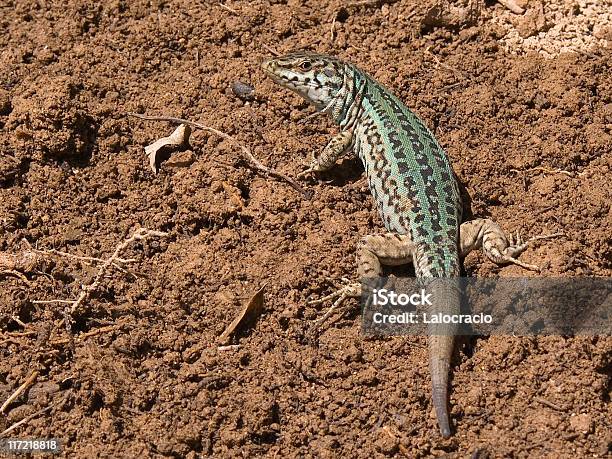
(136, 369)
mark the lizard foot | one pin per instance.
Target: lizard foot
(313, 168)
(350, 290)
(515, 248)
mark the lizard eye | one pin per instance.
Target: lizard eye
(305, 66)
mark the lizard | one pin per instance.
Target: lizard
(413, 185)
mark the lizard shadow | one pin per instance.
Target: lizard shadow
(348, 170)
(466, 202)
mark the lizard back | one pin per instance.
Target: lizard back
(409, 173)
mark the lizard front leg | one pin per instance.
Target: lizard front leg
(339, 144)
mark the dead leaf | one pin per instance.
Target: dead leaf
(247, 316)
(179, 139)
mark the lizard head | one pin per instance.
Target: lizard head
(315, 77)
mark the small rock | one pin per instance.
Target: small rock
(71, 235)
(532, 22)
(242, 90)
(182, 159)
(387, 445)
(603, 32)
(582, 423)
(19, 412)
(367, 377)
(353, 354)
(41, 392)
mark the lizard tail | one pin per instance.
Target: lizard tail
(440, 351)
(446, 300)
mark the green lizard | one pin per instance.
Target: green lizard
(413, 185)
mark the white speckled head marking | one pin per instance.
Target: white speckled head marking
(315, 77)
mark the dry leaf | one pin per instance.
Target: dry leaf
(247, 316)
(179, 139)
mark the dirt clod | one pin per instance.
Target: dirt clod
(46, 116)
(582, 423)
(5, 102)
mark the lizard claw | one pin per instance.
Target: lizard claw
(518, 246)
(313, 167)
(310, 170)
(350, 290)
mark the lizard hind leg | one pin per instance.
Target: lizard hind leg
(373, 251)
(499, 248)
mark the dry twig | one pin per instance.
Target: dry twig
(13, 337)
(332, 31)
(19, 321)
(359, 3)
(230, 347)
(24, 420)
(81, 257)
(97, 331)
(28, 382)
(246, 153)
(549, 404)
(87, 290)
(270, 50)
(30, 417)
(52, 301)
(550, 171)
(227, 8)
(113, 260)
(512, 6)
(28, 259)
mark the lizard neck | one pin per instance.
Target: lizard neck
(345, 109)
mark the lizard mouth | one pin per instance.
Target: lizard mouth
(268, 69)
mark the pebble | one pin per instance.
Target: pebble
(582, 423)
(242, 90)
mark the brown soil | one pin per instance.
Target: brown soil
(74, 177)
